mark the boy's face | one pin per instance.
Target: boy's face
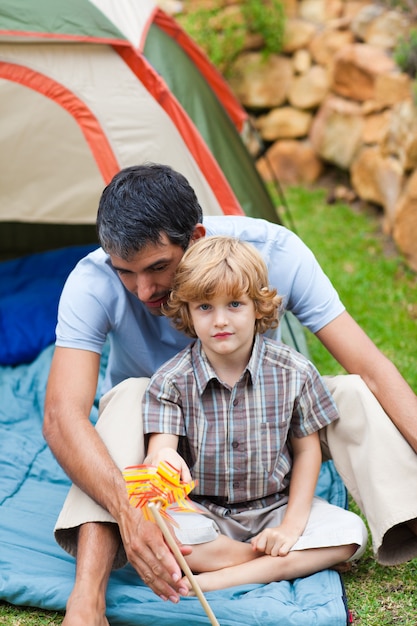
(225, 325)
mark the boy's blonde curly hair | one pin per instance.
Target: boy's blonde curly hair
(222, 265)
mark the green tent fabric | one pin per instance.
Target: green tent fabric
(212, 121)
(58, 18)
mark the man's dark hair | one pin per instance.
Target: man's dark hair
(141, 203)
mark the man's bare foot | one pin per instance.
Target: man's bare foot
(82, 611)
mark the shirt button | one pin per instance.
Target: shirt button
(236, 484)
(235, 444)
(235, 402)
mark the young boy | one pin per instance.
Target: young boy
(241, 414)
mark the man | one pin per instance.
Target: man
(148, 215)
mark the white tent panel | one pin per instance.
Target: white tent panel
(39, 141)
(129, 17)
(135, 125)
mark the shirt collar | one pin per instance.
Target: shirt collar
(256, 359)
(204, 372)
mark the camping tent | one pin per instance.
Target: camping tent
(88, 87)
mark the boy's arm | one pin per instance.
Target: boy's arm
(305, 471)
(307, 460)
(163, 447)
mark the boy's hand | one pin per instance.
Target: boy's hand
(275, 541)
(173, 458)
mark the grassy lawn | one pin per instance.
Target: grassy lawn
(14, 616)
(381, 294)
(374, 283)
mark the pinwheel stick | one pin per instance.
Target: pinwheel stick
(154, 508)
(154, 490)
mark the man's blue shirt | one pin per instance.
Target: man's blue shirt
(95, 305)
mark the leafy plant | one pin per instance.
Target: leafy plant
(221, 40)
(222, 32)
(405, 56)
(268, 20)
(405, 53)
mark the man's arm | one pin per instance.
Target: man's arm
(84, 457)
(356, 352)
(71, 436)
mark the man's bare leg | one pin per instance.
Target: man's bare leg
(97, 547)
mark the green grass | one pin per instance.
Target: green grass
(14, 616)
(381, 293)
(381, 596)
(376, 286)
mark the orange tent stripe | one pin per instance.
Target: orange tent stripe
(32, 35)
(86, 120)
(192, 138)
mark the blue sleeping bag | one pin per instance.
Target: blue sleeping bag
(29, 293)
(34, 570)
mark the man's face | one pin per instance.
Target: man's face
(150, 273)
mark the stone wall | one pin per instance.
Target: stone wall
(334, 98)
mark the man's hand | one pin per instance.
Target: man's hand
(275, 541)
(148, 553)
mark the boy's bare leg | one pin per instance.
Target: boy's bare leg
(220, 553)
(266, 569)
(97, 547)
